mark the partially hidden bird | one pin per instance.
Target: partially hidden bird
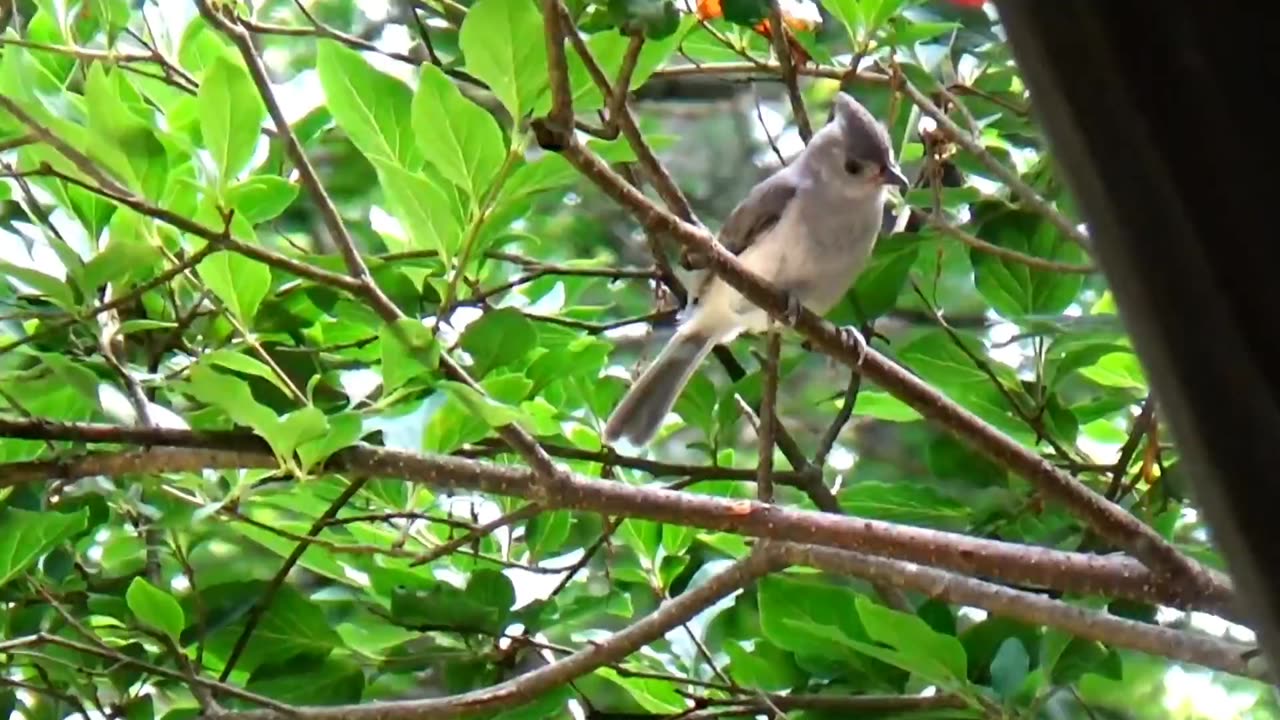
(809, 229)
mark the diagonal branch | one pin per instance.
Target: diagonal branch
(260, 607)
(788, 71)
(526, 687)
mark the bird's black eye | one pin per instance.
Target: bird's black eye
(853, 167)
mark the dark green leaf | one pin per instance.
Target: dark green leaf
(905, 503)
(498, 339)
(1009, 668)
(940, 658)
(1015, 289)
(239, 282)
(292, 626)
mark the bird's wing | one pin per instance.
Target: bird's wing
(757, 212)
(754, 215)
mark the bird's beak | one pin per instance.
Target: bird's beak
(892, 175)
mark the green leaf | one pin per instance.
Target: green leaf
(1081, 657)
(201, 46)
(879, 285)
(261, 197)
(424, 208)
(245, 364)
(330, 681)
(547, 533)
(371, 107)
(401, 362)
(493, 412)
(127, 255)
(921, 649)
(883, 406)
(849, 13)
(233, 397)
(804, 616)
(443, 606)
(293, 625)
(905, 503)
(117, 118)
(300, 426)
(492, 589)
(344, 429)
(609, 48)
(499, 338)
(655, 696)
(114, 14)
(1015, 289)
(1117, 369)
(940, 361)
(1009, 668)
(497, 40)
(27, 536)
(762, 665)
(239, 282)
(231, 115)
(459, 137)
(155, 608)
(51, 287)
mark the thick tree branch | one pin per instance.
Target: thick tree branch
(1010, 562)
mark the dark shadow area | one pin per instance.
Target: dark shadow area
(1156, 113)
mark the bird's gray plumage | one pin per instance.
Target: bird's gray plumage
(809, 229)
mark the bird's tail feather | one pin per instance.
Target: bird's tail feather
(640, 413)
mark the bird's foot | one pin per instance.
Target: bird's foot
(791, 315)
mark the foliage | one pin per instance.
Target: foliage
(190, 370)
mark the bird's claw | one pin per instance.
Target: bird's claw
(851, 336)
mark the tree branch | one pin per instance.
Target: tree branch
(1010, 562)
(1031, 608)
(521, 689)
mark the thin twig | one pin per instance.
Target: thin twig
(768, 417)
(263, 603)
(1007, 176)
(783, 53)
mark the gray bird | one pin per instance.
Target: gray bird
(809, 229)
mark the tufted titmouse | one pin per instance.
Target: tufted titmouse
(808, 229)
